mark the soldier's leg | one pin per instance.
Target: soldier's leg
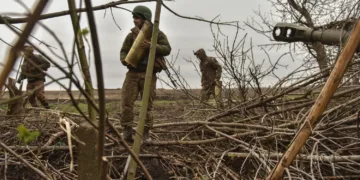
(149, 121)
(129, 93)
(40, 94)
(205, 94)
(149, 117)
(218, 98)
(31, 97)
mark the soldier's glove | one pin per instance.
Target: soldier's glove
(43, 67)
(124, 63)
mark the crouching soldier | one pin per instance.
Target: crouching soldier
(210, 77)
(135, 77)
(33, 69)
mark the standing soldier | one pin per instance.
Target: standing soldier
(135, 77)
(210, 77)
(33, 69)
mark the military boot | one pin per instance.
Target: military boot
(146, 135)
(127, 134)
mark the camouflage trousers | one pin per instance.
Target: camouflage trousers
(207, 91)
(133, 85)
(38, 94)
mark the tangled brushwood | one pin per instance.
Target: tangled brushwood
(192, 141)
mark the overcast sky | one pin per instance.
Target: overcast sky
(184, 35)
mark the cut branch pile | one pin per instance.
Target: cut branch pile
(249, 140)
(194, 141)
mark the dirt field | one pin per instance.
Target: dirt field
(115, 94)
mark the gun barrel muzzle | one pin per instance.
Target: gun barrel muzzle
(288, 32)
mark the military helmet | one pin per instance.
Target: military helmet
(143, 12)
(28, 49)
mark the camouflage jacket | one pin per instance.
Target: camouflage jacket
(163, 48)
(210, 71)
(30, 71)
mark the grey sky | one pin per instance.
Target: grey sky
(184, 35)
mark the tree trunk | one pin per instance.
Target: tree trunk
(88, 162)
(15, 106)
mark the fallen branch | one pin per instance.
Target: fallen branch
(299, 157)
(26, 163)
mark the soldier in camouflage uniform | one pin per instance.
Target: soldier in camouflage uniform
(135, 77)
(35, 76)
(210, 76)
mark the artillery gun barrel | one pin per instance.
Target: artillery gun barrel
(288, 32)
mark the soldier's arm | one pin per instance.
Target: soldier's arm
(126, 48)
(163, 47)
(218, 68)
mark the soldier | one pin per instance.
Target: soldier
(210, 77)
(135, 77)
(33, 69)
